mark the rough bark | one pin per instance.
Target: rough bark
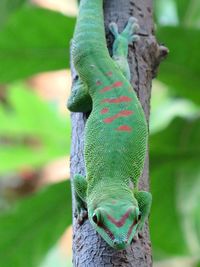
(89, 249)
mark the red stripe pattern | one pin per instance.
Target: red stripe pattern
(123, 113)
(131, 229)
(109, 73)
(121, 221)
(117, 100)
(124, 128)
(114, 85)
(98, 83)
(104, 110)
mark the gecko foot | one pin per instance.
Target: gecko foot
(121, 43)
(81, 216)
(130, 31)
(140, 235)
(135, 238)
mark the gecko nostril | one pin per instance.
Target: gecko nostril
(120, 242)
(115, 242)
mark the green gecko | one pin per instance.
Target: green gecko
(116, 131)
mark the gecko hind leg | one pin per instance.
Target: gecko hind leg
(121, 43)
(80, 188)
(79, 100)
(144, 200)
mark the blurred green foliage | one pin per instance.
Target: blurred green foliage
(175, 174)
(175, 149)
(30, 118)
(7, 7)
(33, 40)
(181, 70)
(34, 225)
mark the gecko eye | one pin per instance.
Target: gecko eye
(139, 216)
(94, 218)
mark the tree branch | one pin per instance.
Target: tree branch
(89, 249)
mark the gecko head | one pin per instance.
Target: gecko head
(116, 222)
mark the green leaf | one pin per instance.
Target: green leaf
(188, 199)
(7, 7)
(181, 69)
(179, 141)
(189, 12)
(164, 106)
(178, 12)
(166, 12)
(167, 236)
(30, 118)
(34, 40)
(182, 7)
(175, 172)
(33, 226)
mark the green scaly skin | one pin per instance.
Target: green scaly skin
(116, 131)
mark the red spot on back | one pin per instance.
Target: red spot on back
(121, 221)
(109, 73)
(114, 85)
(117, 84)
(105, 89)
(117, 100)
(104, 110)
(98, 82)
(123, 113)
(124, 128)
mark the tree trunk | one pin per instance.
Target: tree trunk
(89, 249)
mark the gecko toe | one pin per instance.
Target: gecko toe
(82, 216)
(114, 29)
(133, 20)
(135, 238)
(140, 235)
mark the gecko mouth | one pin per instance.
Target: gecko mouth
(110, 234)
(130, 229)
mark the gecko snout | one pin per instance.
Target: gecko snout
(120, 243)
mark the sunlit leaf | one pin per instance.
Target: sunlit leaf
(188, 203)
(34, 40)
(189, 12)
(31, 132)
(181, 69)
(167, 107)
(178, 12)
(166, 12)
(182, 7)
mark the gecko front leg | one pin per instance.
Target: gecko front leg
(79, 100)
(80, 189)
(121, 42)
(144, 200)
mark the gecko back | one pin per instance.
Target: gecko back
(116, 130)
